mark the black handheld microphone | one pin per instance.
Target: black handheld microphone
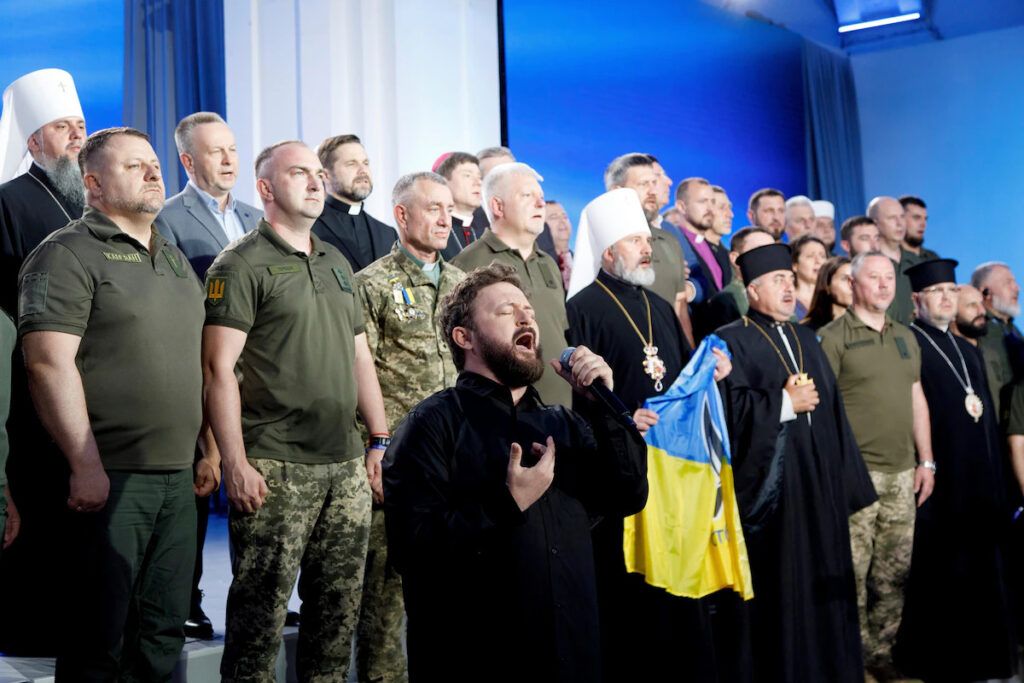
(599, 390)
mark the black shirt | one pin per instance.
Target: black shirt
(483, 580)
(597, 323)
(30, 209)
(463, 235)
(361, 238)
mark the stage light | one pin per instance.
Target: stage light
(879, 22)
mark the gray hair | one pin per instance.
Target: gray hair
(497, 179)
(983, 272)
(185, 127)
(798, 200)
(615, 174)
(499, 151)
(858, 261)
(404, 188)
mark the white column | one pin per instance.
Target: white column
(412, 78)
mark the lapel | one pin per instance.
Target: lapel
(249, 219)
(194, 205)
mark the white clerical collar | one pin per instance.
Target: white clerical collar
(355, 209)
(466, 219)
(658, 220)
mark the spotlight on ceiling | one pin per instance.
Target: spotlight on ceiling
(879, 22)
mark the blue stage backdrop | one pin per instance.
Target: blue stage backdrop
(83, 37)
(708, 93)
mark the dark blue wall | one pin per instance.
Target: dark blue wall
(708, 93)
(83, 37)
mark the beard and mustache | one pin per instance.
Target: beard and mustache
(640, 276)
(508, 367)
(66, 177)
(972, 329)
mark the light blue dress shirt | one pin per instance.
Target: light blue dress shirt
(228, 219)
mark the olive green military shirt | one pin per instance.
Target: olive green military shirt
(1015, 413)
(669, 266)
(542, 284)
(999, 369)
(875, 372)
(902, 307)
(301, 315)
(401, 308)
(140, 316)
(8, 336)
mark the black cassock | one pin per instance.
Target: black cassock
(597, 323)
(646, 631)
(30, 209)
(957, 624)
(796, 484)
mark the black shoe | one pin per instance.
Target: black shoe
(291, 619)
(198, 625)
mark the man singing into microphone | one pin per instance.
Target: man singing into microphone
(488, 495)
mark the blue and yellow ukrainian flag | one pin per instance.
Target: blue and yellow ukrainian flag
(688, 539)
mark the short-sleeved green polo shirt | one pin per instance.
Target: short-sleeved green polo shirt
(902, 307)
(875, 372)
(301, 315)
(542, 284)
(140, 316)
(667, 260)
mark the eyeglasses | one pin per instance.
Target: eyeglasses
(949, 290)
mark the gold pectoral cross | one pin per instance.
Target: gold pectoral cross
(654, 366)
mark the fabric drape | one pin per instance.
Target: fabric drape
(173, 66)
(835, 170)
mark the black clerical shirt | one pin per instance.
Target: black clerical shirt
(493, 593)
(360, 237)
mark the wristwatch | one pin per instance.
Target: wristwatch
(928, 465)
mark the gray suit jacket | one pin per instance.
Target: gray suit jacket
(187, 222)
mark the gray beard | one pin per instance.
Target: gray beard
(642, 277)
(1007, 308)
(66, 177)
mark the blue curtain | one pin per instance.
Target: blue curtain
(835, 170)
(173, 66)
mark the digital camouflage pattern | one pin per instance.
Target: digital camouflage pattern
(315, 517)
(401, 310)
(882, 538)
(401, 315)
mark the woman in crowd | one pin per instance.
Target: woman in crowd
(809, 253)
(832, 293)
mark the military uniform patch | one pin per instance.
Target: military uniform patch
(32, 299)
(174, 263)
(339, 274)
(291, 268)
(215, 288)
(122, 258)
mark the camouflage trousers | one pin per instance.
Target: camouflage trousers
(882, 538)
(317, 518)
(380, 652)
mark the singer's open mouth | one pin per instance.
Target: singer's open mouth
(524, 340)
